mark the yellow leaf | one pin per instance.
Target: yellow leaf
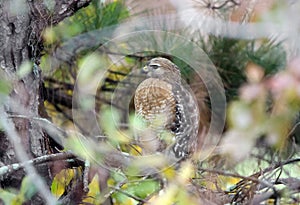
(61, 180)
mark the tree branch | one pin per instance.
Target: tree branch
(39, 160)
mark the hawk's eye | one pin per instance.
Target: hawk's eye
(155, 66)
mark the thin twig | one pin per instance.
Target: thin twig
(39, 160)
(38, 119)
(225, 173)
(279, 164)
(129, 195)
(21, 154)
(86, 170)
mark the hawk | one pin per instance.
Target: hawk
(166, 104)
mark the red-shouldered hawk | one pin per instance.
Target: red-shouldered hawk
(165, 104)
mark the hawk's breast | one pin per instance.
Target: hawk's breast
(155, 102)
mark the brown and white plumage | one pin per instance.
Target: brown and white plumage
(166, 105)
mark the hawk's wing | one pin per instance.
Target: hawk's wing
(186, 124)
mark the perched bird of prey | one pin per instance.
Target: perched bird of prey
(166, 105)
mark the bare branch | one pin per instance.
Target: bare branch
(86, 176)
(251, 178)
(39, 160)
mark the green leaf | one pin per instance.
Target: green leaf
(28, 188)
(24, 69)
(240, 115)
(7, 196)
(144, 188)
(5, 87)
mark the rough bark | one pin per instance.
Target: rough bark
(22, 24)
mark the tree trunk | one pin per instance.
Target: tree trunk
(20, 43)
(22, 24)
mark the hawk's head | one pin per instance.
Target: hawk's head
(162, 68)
